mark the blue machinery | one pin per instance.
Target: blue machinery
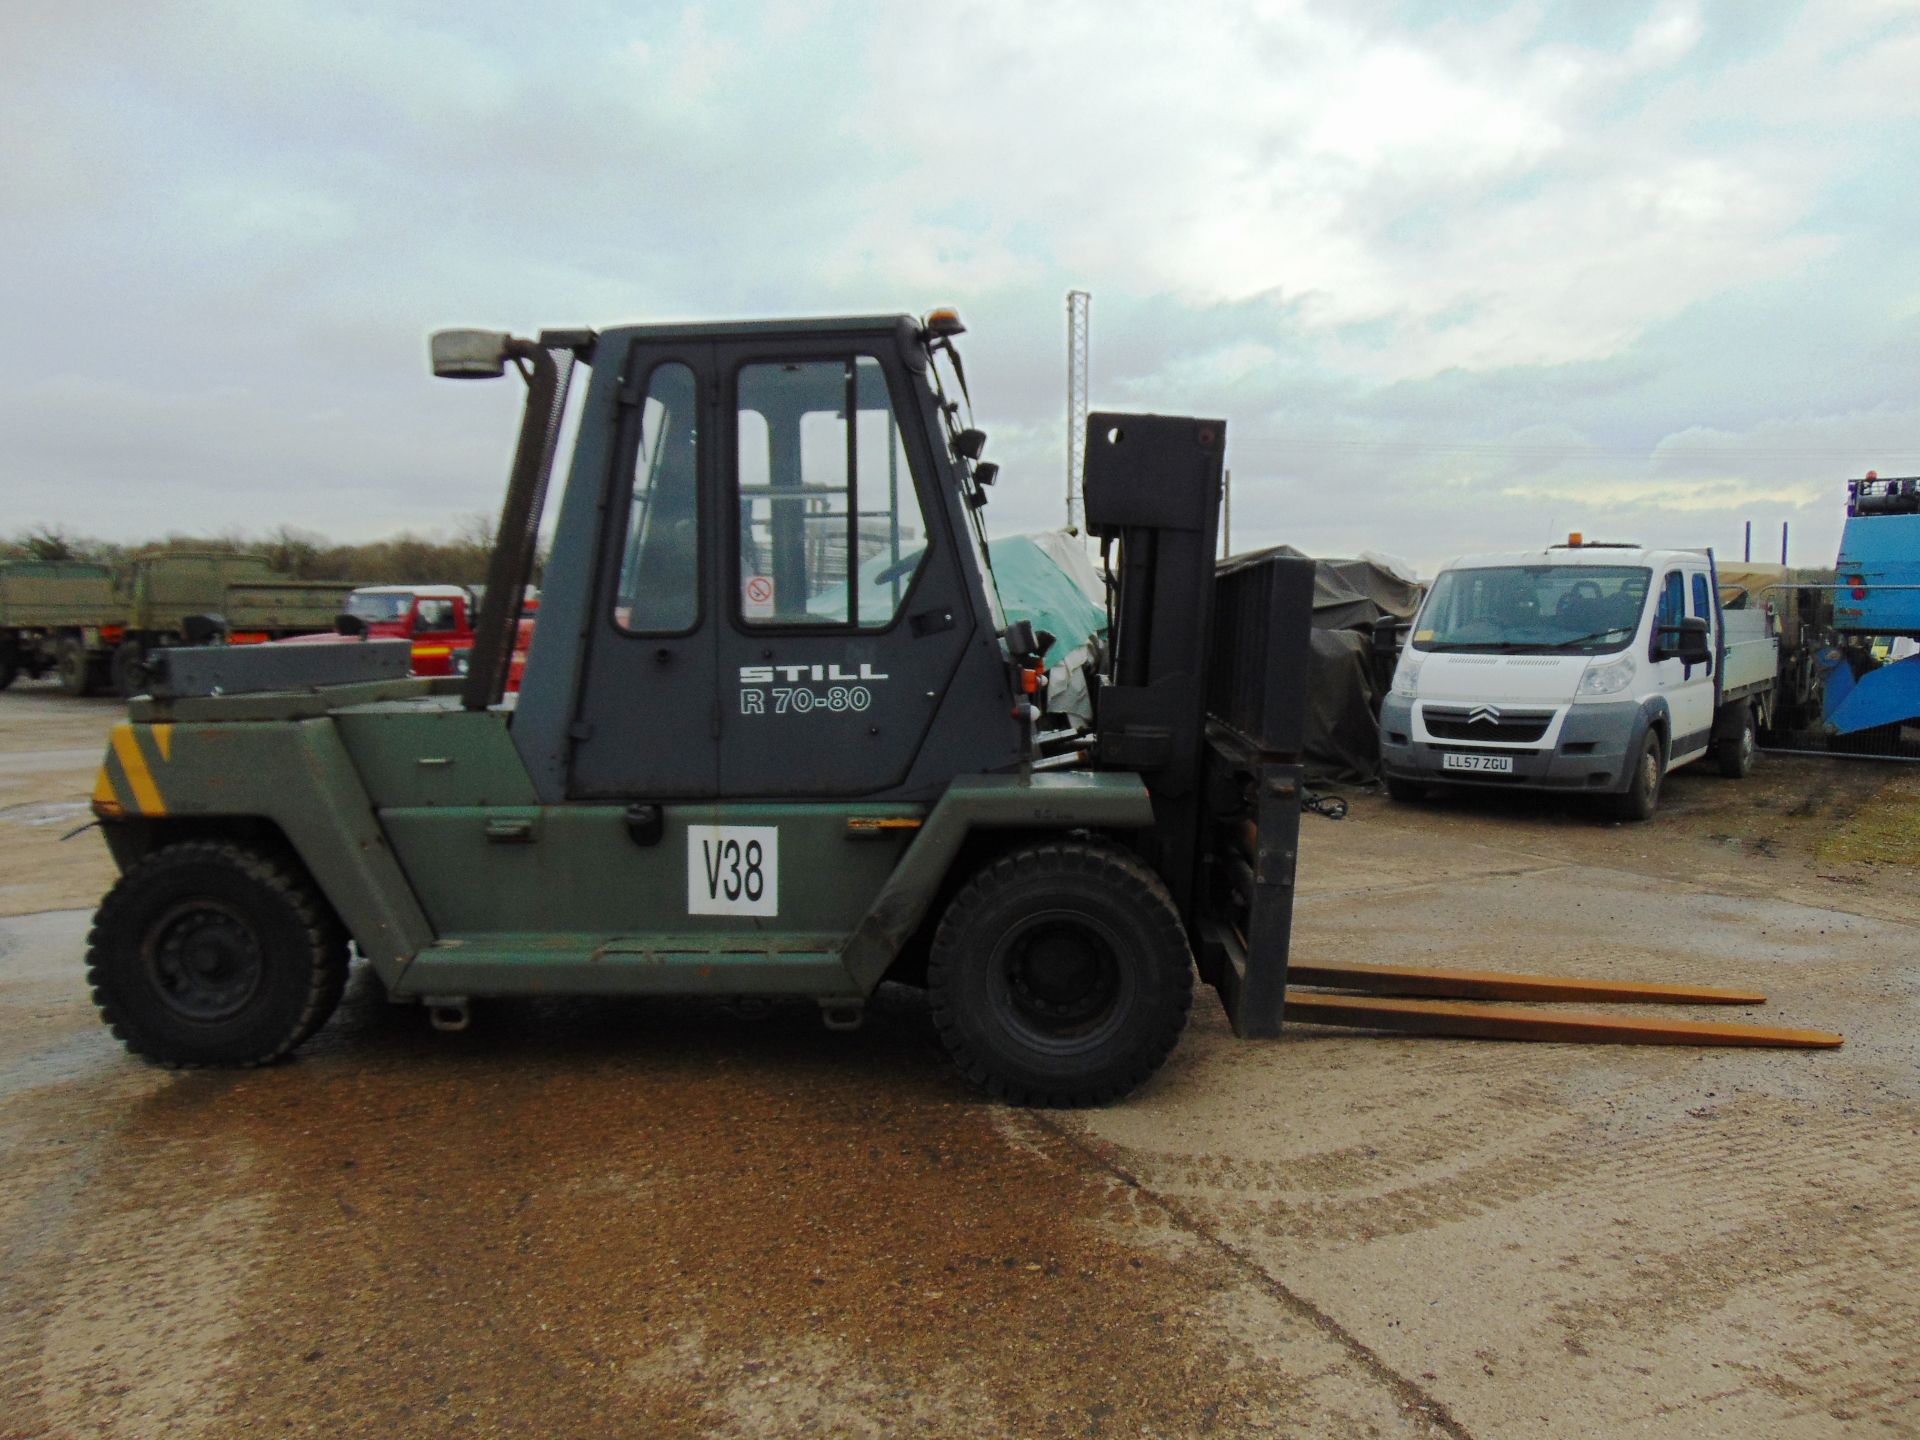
(1877, 597)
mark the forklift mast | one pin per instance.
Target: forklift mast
(1204, 698)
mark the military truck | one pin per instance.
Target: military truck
(94, 624)
(776, 739)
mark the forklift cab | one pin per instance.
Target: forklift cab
(767, 580)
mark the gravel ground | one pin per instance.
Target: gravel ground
(674, 1219)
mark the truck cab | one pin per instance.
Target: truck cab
(438, 619)
(1584, 667)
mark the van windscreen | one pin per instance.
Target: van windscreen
(1537, 609)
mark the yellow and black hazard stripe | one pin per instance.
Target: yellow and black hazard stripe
(126, 784)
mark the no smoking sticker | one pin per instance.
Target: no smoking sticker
(756, 594)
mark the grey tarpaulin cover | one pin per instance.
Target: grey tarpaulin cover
(1343, 731)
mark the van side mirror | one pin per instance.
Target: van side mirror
(1686, 642)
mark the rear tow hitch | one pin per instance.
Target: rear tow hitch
(448, 1013)
(843, 1014)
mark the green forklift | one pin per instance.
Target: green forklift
(776, 737)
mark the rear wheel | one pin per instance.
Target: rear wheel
(213, 954)
(75, 666)
(1060, 975)
(1642, 795)
(1737, 752)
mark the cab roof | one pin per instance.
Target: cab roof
(424, 592)
(1578, 555)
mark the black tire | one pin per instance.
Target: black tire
(75, 666)
(1060, 975)
(208, 953)
(1736, 754)
(9, 663)
(1642, 795)
(1405, 792)
(125, 676)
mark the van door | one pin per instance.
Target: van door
(1688, 689)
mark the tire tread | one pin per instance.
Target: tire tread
(1079, 857)
(326, 947)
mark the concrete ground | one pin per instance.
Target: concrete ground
(674, 1219)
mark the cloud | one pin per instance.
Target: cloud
(1450, 278)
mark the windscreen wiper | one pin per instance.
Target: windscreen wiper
(1596, 635)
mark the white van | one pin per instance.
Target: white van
(1579, 667)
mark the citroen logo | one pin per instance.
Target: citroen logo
(1484, 714)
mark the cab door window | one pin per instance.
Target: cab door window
(430, 616)
(1673, 601)
(658, 591)
(830, 528)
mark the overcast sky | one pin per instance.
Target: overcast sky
(1459, 277)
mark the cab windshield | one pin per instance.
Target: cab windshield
(376, 608)
(1533, 609)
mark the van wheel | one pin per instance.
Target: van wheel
(208, 953)
(1642, 794)
(1060, 975)
(1737, 753)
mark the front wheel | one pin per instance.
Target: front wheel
(208, 953)
(1060, 975)
(1642, 794)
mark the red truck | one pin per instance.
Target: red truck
(438, 619)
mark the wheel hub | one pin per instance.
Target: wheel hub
(1060, 975)
(205, 961)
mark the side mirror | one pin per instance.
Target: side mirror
(1386, 636)
(470, 354)
(1022, 643)
(351, 626)
(1689, 642)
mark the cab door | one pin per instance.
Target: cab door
(1688, 689)
(844, 611)
(645, 727)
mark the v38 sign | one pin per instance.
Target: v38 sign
(733, 870)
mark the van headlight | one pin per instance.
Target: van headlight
(1608, 679)
(1406, 676)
